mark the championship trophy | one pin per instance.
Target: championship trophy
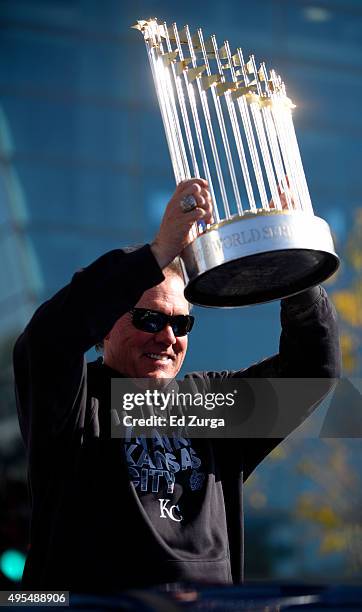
(229, 120)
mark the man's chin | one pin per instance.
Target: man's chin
(156, 378)
(153, 380)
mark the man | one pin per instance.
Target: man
(109, 514)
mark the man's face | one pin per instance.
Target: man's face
(139, 354)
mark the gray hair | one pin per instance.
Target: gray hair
(174, 267)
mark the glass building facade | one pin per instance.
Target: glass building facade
(84, 166)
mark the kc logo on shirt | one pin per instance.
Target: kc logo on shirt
(168, 512)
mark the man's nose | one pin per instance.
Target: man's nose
(166, 335)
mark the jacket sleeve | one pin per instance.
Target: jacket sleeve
(309, 342)
(294, 381)
(49, 363)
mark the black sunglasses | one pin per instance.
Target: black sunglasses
(152, 321)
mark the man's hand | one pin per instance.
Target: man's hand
(175, 231)
(283, 198)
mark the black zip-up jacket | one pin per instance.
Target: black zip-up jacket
(109, 514)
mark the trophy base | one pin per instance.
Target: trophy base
(257, 258)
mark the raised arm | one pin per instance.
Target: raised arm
(49, 359)
(49, 362)
(284, 389)
(309, 341)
